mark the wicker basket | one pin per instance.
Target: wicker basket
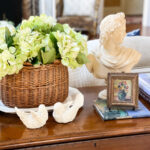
(32, 86)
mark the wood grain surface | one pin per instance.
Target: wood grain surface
(138, 142)
(87, 126)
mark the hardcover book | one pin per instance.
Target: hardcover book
(113, 114)
(144, 85)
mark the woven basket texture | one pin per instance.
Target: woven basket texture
(32, 86)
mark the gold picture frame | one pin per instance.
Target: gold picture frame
(122, 90)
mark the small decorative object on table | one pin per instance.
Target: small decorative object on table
(33, 61)
(122, 90)
(117, 113)
(111, 55)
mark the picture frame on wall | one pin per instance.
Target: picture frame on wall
(122, 90)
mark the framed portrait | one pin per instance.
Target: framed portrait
(122, 90)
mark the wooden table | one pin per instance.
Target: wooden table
(87, 132)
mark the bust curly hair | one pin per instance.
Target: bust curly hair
(113, 27)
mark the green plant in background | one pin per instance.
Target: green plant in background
(40, 40)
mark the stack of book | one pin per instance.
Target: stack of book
(113, 114)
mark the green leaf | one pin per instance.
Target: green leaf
(58, 56)
(43, 49)
(1, 50)
(8, 37)
(54, 41)
(48, 56)
(82, 59)
(58, 27)
(35, 61)
(39, 57)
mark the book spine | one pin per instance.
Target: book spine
(144, 95)
(99, 113)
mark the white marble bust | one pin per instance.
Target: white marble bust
(111, 56)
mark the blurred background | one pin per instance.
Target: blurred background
(83, 15)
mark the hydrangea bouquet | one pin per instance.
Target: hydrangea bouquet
(40, 40)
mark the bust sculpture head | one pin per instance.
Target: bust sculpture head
(112, 30)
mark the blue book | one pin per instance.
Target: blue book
(113, 114)
(144, 86)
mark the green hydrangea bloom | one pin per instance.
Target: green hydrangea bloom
(10, 62)
(40, 23)
(40, 40)
(71, 44)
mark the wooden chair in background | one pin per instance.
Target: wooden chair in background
(30, 8)
(80, 23)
